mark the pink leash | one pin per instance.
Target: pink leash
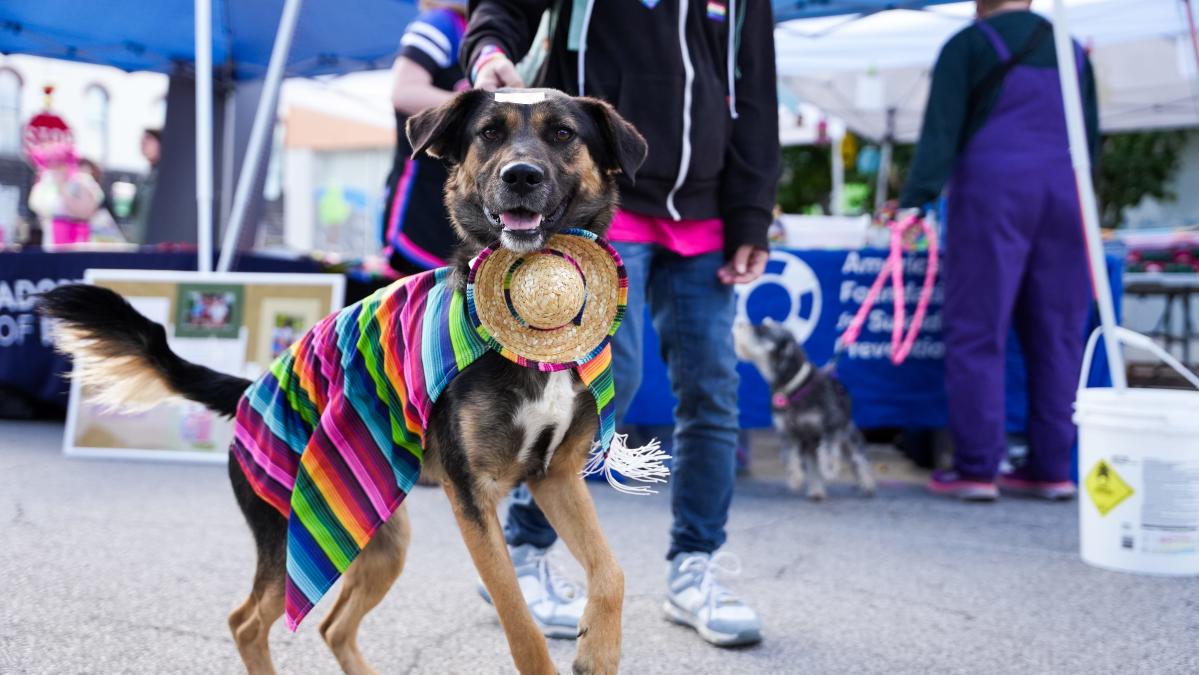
(901, 345)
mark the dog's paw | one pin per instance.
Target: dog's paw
(591, 665)
(867, 486)
(596, 656)
(816, 495)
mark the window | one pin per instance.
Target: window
(93, 137)
(10, 112)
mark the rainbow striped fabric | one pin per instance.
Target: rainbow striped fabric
(332, 435)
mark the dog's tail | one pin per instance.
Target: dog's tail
(122, 358)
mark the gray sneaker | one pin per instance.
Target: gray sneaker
(696, 598)
(555, 601)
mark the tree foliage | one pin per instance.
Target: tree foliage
(807, 176)
(1134, 166)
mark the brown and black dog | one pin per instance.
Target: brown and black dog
(524, 165)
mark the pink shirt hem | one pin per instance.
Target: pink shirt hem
(684, 237)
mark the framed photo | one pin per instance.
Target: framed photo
(236, 323)
(282, 321)
(208, 310)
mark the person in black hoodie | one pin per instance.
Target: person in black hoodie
(697, 79)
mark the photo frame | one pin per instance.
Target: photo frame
(280, 321)
(209, 310)
(235, 323)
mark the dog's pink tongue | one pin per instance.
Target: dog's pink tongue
(515, 221)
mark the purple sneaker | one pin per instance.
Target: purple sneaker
(1019, 483)
(951, 484)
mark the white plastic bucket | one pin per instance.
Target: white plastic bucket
(1138, 464)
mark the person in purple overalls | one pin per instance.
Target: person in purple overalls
(995, 131)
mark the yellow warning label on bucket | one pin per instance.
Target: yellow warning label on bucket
(1105, 487)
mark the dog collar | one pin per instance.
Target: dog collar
(794, 390)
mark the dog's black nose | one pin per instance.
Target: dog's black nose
(522, 177)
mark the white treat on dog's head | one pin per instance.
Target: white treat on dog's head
(520, 97)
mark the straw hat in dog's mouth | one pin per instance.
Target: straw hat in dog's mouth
(553, 308)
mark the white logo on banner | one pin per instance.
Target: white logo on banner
(799, 282)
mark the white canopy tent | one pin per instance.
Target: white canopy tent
(846, 77)
(858, 71)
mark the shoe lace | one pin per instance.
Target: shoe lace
(551, 575)
(712, 571)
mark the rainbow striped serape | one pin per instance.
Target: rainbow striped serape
(332, 435)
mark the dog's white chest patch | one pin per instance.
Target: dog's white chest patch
(554, 409)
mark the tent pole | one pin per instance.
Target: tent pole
(884, 176)
(837, 199)
(884, 163)
(1080, 157)
(228, 152)
(1191, 27)
(203, 11)
(260, 132)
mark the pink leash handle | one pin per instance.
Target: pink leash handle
(854, 330)
(897, 289)
(901, 343)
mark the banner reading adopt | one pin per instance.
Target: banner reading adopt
(26, 355)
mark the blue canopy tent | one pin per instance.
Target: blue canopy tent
(786, 10)
(354, 34)
(157, 35)
(236, 41)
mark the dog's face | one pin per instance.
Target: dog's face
(528, 163)
(770, 347)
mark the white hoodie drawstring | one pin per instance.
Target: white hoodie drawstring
(732, 64)
(583, 46)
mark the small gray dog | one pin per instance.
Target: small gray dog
(811, 409)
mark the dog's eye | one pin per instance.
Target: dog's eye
(490, 134)
(563, 134)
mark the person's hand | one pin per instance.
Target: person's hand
(498, 73)
(747, 264)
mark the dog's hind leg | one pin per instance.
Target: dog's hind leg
(795, 474)
(809, 456)
(251, 622)
(484, 540)
(564, 498)
(854, 447)
(365, 583)
(828, 455)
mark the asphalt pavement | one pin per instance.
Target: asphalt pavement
(132, 567)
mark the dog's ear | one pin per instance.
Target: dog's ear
(624, 148)
(438, 132)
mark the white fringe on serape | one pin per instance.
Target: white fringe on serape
(646, 464)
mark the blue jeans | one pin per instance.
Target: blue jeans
(693, 316)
